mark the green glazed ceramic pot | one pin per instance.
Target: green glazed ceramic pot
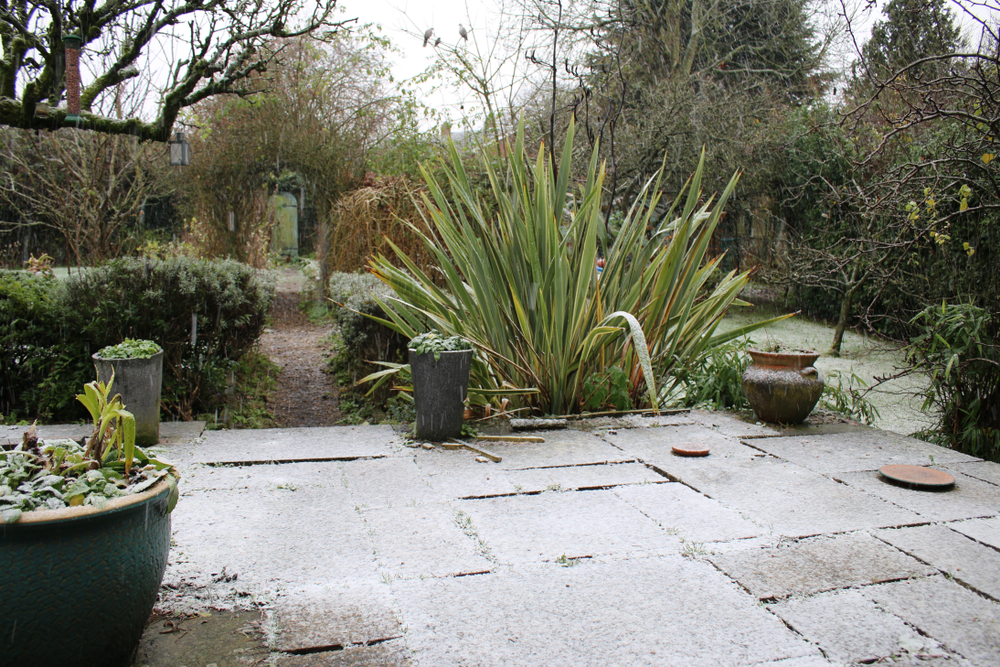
(77, 584)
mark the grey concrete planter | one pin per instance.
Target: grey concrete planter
(439, 389)
(139, 382)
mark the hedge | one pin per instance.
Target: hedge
(205, 314)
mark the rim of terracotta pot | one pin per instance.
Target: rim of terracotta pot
(789, 358)
(68, 513)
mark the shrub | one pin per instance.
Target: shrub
(42, 362)
(958, 348)
(205, 314)
(715, 380)
(520, 281)
(363, 340)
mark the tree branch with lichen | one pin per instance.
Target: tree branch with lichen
(224, 50)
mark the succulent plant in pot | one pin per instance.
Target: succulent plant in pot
(84, 540)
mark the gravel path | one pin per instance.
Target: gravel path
(305, 395)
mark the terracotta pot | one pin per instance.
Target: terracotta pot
(78, 583)
(783, 387)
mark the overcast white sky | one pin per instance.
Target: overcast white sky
(404, 22)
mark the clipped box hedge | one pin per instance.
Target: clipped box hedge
(362, 340)
(43, 360)
(130, 298)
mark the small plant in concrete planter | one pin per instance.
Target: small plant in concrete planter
(435, 343)
(130, 348)
(84, 541)
(138, 365)
(439, 367)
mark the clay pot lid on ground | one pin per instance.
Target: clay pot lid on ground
(916, 477)
(690, 449)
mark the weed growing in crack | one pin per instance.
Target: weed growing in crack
(554, 487)
(464, 523)
(694, 550)
(567, 562)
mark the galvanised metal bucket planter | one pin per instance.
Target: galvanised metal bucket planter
(139, 382)
(782, 387)
(439, 390)
(77, 585)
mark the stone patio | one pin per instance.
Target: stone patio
(351, 546)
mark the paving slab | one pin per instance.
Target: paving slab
(695, 518)
(970, 497)
(388, 482)
(964, 559)
(583, 477)
(392, 653)
(655, 611)
(793, 501)
(12, 435)
(984, 531)
(282, 525)
(572, 524)
(959, 619)
(59, 431)
(653, 445)
(732, 426)
(851, 629)
(561, 448)
(424, 541)
(818, 564)
(600, 425)
(289, 477)
(297, 444)
(325, 615)
(457, 474)
(858, 449)
(225, 639)
(175, 432)
(721, 465)
(397, 547)
(987, 471)
(808, 661)
(821, 422)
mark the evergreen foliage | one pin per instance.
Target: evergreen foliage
(53, 327)
(914, 30)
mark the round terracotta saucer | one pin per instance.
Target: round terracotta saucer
(690, 449)
(915, 477)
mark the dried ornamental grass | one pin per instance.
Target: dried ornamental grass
(364, 221)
